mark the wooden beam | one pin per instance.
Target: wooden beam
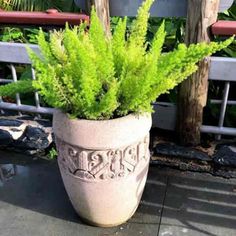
(193, 92)
(223, 27)
(49, 18)
(103, 12)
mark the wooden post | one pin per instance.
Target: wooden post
(193, 92)
(102, 9)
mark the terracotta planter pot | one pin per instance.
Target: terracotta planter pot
(104, 165)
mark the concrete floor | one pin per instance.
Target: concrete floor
(33, 202)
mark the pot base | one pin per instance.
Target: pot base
(89, 222)
(100, 225)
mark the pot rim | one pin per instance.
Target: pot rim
(135, 115)
(101, 134)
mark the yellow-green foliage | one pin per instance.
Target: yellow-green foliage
(22, 86)
(90, 76)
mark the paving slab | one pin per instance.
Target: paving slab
(33, 202)
(198, 204)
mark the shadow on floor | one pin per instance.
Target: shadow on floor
(37, 186)
(188, 198)
(200, 203)
(208, 201)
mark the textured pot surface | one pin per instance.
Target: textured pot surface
(104, 165)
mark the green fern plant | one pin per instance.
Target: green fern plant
(90, 76)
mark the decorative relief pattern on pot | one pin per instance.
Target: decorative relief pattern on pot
(103, 164)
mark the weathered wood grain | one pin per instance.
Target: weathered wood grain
(102, 9)
(193, 92)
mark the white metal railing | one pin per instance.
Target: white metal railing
(222, 69)
(12, 54)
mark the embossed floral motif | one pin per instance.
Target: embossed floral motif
(102, 164)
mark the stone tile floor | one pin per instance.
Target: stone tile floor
(33, 202)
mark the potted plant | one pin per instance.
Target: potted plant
(103, 89)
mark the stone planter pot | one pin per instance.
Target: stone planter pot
(160, 8)
(104, 165)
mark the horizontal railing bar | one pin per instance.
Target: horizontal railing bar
(26, 108)
(6, 80)
(223, 69)
(164, 104)
(50, 17)
(16, 52)
(216, 101)
(218, 130)
(223, 27)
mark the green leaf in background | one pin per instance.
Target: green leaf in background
(12, 35)
(230, 14)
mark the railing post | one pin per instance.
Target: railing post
(193, 92)
(102, 9)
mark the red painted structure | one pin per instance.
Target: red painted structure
(222, 27)
(54, 18)
(49, 18)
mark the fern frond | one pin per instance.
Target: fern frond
(139, 26)
(119, 45)
(57, 47)
(21, 86)
(158, 41)
(45, 47)
(102, 48)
